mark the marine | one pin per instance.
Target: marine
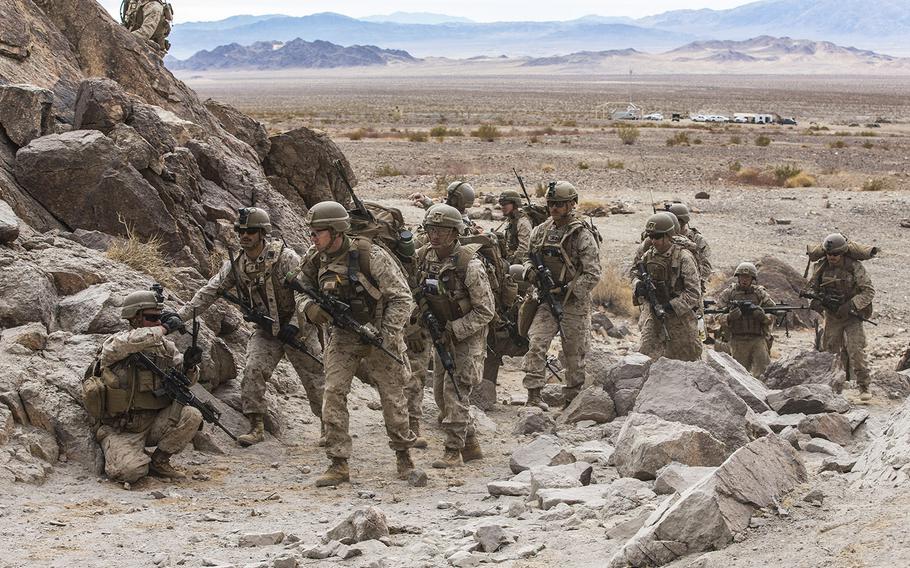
(748, 331)
(150, 21)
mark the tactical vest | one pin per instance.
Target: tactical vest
(551, 243)
(837, 280)
(746, 325)
(346, 277)
(665, 272)
(443, 282)
(260, 284)
(512, 231)
(129, 386)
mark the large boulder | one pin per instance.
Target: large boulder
(831, 426)
(25, 112)
(647, 443)
(676, 477)
(9, 223)
(593, 403)
(241, 126)
(624, 380)
(27, 294)
(711, 513)
(299, 166)
(101, 104)
(887, 459)
(545, 450)
(93, 310)
(368, 523)
(738, 378)
(693, 393)
(893, 384)
(804, 367)
(807, 399)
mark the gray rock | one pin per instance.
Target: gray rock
(418, 478)
(25, 112)
(832, 426)
(816, 496)
(483, 424)
(822, 446)
(593, 403)
(6, 424)
(560, 512)
(346, 552)
(367, 523)
(574, 474)
(553, 395)
(93, 239)
(20, 305)
(491, 537)
(32, 336)
(647, 443)
(738, 378)
(807, 399)
(590, 495)
(93, 310)
(545, 450)
(777, 422)
(804, 367)
(676, 478)
(895, 385)
(370, 548)
(322, 551)
(594, 452)
(284, 561)
(887, 458)
(135, 149)
(101, 104)
(794, 437)
(508, 488)
(260, 539)
(707, 516)
(624, 381)
(693, 393)
(241, 126)
(9, 223)
(533, 420)
(299, 165)
(857, 417)
(838, 464)
(625, 494)
(464, 559)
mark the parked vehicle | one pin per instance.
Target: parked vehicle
(699, 118)
(717, 118)
(653, 116)
(788, 121)
(676, 117)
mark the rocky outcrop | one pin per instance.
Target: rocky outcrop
(25, 112)
(590, 404)
(9, 223)
(887, 458)
(738, 378)
(241, 126)
(624, 380)
(807, 399)
(299, 166)
(804, 367)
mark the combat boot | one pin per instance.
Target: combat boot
(471, 450)
(405, 465)
(451, 458)
(337, 474)
(415, 427)
(864, 394)
(535, 400)
(160, 466)
(256, 433)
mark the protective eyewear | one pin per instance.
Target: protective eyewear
(438, 230)
(246, 231)
(151, 317)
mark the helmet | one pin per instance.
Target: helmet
(517, 272)
(442, 215)
(253, 218)
(835, 243)
(681, 212)
(460, 195)
(659, 224)
(561, 191)
(746, 268)
(138, 301)
(677, 228)
(329, 215)
(510, 196)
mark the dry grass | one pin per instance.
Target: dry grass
(801, 179)
(678, 139)
(615, 164)
(614, 291)
(486, 132)
(837, 144)
(143, 255)
(762, 141)
(875, 184)
(548, 168)
(582, 165)
(752, 176)
(385, 170)
(627, 133)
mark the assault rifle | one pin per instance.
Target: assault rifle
(651, 295)
(437, 334)
(176, 386)
(832, 302)
(747, 307)
(359, 207)
(521, 182)
(343, 318)
(545, 287)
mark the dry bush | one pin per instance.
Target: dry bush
(678, 139)
(875, 184)
(548, 168)
(762, 141)
(627, 133)
(442, 183)
(615, 164)
(801, 179)
(145, 256)
(837, 144)
(548, 131)
(868, 145)
(752, 176)
(582, 165)
(533, 140)
(868, 133)
(385, 170)
(417, 136)
(736, 166)
(486, 132)
(568, 123)
(784, 172)
(736, 140)
(540, 190)
(440, 132)
(842, 133)
(697, 141)
(614, 291)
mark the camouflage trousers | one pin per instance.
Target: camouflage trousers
(577, 330)
(344, 354)
(847, 339)
(456, 421)
(418, 358)
(683, 343)
(171, 429)
(263, 353)
(752, 353)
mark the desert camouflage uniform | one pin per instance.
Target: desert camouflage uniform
(518, 236)
(468, 309)
(573, 257)
(676, 276)
(749, 335)
(392, 305)
(702, 254)
(845, 336)
(645, 246)
(150, 21)
(135, 418)
(262, 281)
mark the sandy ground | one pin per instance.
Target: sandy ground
(78, 520)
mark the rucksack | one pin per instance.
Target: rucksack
(536, 213)
(386, 225)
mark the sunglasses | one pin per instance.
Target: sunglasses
(438, 230)
(314, 234)
(656, 237)
(151, 317)
(246, 231)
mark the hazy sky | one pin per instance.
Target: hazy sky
(479, 10)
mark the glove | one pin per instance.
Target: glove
(735, 314)
(288, 333)
(531, 276)
(448, 335)
(415, 342)
(170, 321)
(668, 308)
(316, 315)
(191, 357)
(758, 313)
(843, 311)
(816, 306)
(640, 289)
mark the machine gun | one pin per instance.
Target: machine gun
(176, 386)
(545, 287)
(651, 295)
(437, 334)
(359, 207)
(832, 302)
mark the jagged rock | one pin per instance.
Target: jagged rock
(6, 424)
(533, 420)
(9, 223)
(707, 515)
(21, 304)
(802, 368)
(553, 395)
(95, 240)
(286, 561)
(25, 112)
(93, 310)
(676, 478)
(822, 446)
(545, 450)
(624, 381)
(647, 443)
(509, 487)
(832, 426)
(693, 393)
(593, 403)
(135, 149)
(492, 537)
(32, 336)
(322, 551)
(589, 495)
(777, 423)
(807, 399)
(368, 523)
(894, 384)
(241, 126)
(17, 464)
(594, 451)
(856, 417)
(260, 539)
(101, 104)
(794, 437)
(576, 474)
(598, 362)
(299, 166)
(738, 378)
(887, 458)
(839, 464)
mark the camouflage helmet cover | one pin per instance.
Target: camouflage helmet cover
(561, 191)
(659, 224)
(460, 195)
(681, 212)
(746, 268)
(442, 215)
(253, 218)
(329, 215)
(835, 243)
(510, 196)
(138, 301)
(677, 228)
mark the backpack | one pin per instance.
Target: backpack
(489, 248)
(536, 213)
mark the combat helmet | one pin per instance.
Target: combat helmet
(329, 215)
(835, 243)
(677, 228)
(442, 215)
(561, 191)
(746, 268)
(681, 212)
(253, 218)
(460, 195)
(510, 196)
(659, 224)
(138, 301)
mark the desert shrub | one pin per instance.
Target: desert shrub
(868, 145)
(802, 179)
(540, 189)
(868, 134)
(417, 136)
(146, 256)
(697, 141)
(439, 132)
(486, 132)
(568, 123)
(678, 139)
(762, 141)
(842, 132)
(627, 133)
(548, 131)
(736, 166)
(615, 164)
(816, 128)
(565, 141)
(385, 170)
(548, 168)
(356, 134)
(875, 184)
(784, 172)
(613, 291)
(837, 144)
(582, 165)
(736, 140)
(533, 139)
(752, 176)
(442, 183)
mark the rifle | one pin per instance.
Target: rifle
(521, 182)
(358, 204)
(343, 318)
(832, 302)
(748, 307)
(437, 333)
(176, 386)
(651, 294)
(550, 364)
(545, 287)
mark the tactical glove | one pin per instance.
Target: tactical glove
(735, 314)
(816, 306)
(191, 357)
(415, 342)
(171, 321)
(843, 311)
(316, 315)
(640, 289)
(288, 333)
(758, 313)
(668, 308)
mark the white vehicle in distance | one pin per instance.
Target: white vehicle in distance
(717, 118)
(741, 119)
(699, 118)
(653, 116)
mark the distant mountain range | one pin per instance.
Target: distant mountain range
(880, 25)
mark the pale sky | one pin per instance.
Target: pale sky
(478, 10)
